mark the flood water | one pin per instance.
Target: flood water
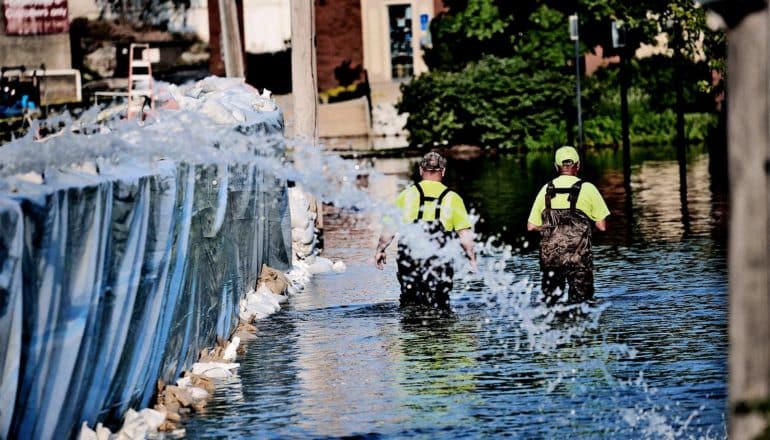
(341, 359)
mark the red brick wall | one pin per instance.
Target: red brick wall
(438, 6)
(338, 37)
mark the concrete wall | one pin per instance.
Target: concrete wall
(32, 51)
(112, 279)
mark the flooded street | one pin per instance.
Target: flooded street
(649, 361)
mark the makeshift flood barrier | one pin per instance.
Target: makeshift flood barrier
(124, 253)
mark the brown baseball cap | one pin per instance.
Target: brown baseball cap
(433, 161)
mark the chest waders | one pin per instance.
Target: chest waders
(426, 281)
(565, 247)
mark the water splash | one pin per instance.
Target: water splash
(496, 290)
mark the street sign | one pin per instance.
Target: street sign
(35, 17)
(618, 34)
(573, 27)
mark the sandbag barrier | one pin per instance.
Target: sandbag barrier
(116, 275)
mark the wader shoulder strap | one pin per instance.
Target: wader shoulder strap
(574, 194)
(551, 190)
(424, 199)
(439, 202)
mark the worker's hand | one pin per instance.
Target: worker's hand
(379, 259)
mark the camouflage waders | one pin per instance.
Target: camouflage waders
(428, 281)
(565, 248)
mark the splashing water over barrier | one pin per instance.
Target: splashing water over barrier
(196, 202)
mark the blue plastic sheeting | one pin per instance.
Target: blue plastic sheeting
(110, 281)
(10, 308)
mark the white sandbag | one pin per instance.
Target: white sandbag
(298, 276)
(259, 304)
(198, 393)
(298, 207)
(230, 351)
(214, 370)
(134, 427)
(266, 296)
(296, 234)
(303, 251)
(308, 235)
(280, 299)
(152, 418)
(87, 167)
(320, 265)
(103, 433)
(86, 433)
(217, 111)
(31, 177)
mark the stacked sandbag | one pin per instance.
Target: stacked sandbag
(266, 299)
(304, 212)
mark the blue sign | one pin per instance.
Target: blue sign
(424, 22)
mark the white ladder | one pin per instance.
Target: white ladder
(140, 82)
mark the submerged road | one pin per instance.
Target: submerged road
(343, 360)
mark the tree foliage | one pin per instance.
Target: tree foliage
(502, 72)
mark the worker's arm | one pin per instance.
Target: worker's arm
(533, 227)
(379, 256)
(601, 225)
(466, 240)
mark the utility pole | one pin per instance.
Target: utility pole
(304, 87)
(748, 61)
(304, 84)
(225, 41)
(231, 39)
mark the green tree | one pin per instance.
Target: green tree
(497, 101)
(500, 70)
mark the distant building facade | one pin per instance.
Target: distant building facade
(383, 36)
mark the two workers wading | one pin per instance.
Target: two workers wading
(565, 212)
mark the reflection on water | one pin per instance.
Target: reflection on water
(343, 360)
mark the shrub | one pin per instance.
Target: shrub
(498, 102)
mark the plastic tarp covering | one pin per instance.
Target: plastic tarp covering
(10, 308)
(113, 279)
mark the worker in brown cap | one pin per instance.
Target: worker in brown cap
(441, 213)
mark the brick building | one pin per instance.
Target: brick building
(383, 36)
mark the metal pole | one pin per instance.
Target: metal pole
(629, 207)
(577, 88)
(624, 114)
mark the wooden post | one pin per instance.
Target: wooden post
(748, 140)
(304, 83)
(231, 39)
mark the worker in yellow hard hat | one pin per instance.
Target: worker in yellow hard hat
(565, 212)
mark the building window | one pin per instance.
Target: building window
(401, 54)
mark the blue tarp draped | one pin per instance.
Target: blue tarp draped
(110, 281)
